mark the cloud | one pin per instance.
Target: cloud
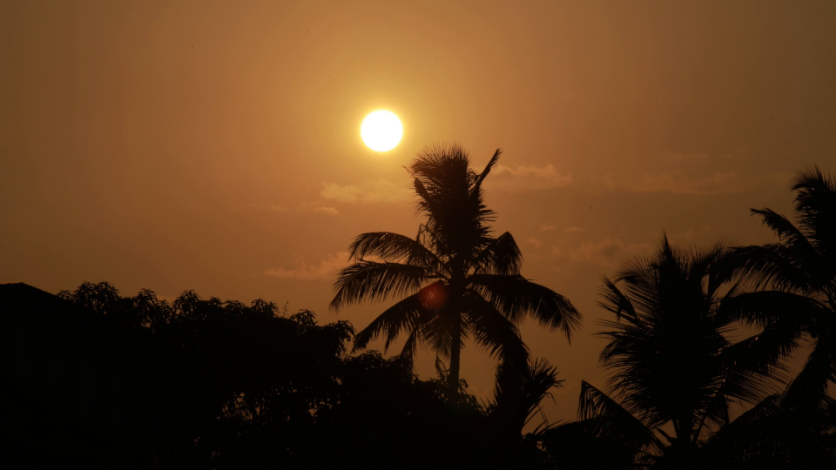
(547, 228)
(326, 270)
(369, 192)
(304, 207)
(534, 241)
(324, 209)
(675, 181)
(319, 208)
(527, 178)
(608, 252)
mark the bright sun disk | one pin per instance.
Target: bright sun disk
(381, 131)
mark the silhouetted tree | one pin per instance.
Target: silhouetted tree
(780, 432)
(675, 373)
(228, 385)
(797, 278)
(519, 392)
(457, 280)
(517, 399)
(223, 372)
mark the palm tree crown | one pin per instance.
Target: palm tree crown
(798, 274)
(455, 279)
(672, 363)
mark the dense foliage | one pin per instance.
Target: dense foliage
(237, 386)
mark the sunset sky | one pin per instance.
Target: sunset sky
(215, 146)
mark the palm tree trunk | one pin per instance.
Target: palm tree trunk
(455, 358)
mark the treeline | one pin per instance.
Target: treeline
(210, 384)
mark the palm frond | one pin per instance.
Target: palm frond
(516, 297)
(420, 333)
(785, 230)
(500, 256)
(438, 332)
(493, 331)
(494, 159)
(616, 302)
(394, 247)
(751, 369)
(768, 307)
(403, 316)
(615, 421)
(815, 203)
(411, 344)
(800, 249)
(809, 388)
(367, 280)
(777, 266)
(519, 391)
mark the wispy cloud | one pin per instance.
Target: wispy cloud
(527, 178)
(689, 182)
(547, 228)
(315, 206)
(325, 270)
(533, 241)
(679, 182)
(318, 207)
(326, 210)
(369, 192)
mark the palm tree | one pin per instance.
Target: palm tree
(674, 370)
(778, 433)
(518, 394)
(796, 278)
(455, 279)
(517, 399)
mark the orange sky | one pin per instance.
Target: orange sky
(215, 146)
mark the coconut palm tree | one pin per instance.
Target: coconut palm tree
(675, 372)
(796, 278)
(517, 398)
(777, 433)
(518, 395)
(456, 281)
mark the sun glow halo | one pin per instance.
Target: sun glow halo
(381, 131)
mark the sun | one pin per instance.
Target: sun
(381, 131)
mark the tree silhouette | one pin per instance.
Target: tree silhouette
(800, 273)
(517, 399)
(777, 433)
(228, 385)
(674, 371)
(457, 280)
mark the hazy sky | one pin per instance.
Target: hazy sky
(215, 146)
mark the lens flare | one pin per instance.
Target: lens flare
(434, 296)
